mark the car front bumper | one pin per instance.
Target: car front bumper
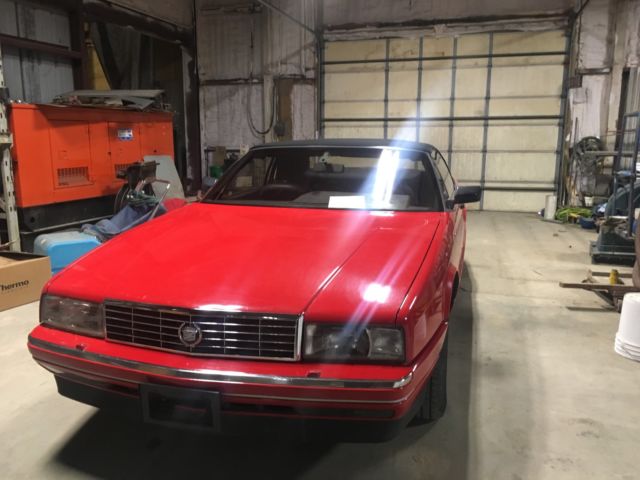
(99, 373)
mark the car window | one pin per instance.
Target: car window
(251, 176)
(332, 177)
(444, 174)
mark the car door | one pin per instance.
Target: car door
(456, 217)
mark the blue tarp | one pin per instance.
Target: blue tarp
(129, 217)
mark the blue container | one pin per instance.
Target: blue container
(64, 247)
(587, 223)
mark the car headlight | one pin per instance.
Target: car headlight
(355, 343)
(73, 315)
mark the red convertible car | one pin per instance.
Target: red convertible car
(313, 281)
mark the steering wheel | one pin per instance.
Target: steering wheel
(280, 191)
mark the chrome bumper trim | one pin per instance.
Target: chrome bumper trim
(73, 376)
(221, 376)
(317, 400)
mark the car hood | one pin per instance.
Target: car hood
(329, 264)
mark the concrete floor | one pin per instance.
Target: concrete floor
(535, 391)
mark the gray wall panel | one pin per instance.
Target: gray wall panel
(227, 48)
(177, 12)
(12, 72)
(224, 114)
(8, 17)
(33, 76)
(43, 24)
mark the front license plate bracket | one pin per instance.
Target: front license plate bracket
(180, 407)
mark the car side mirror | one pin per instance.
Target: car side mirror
(464, 195)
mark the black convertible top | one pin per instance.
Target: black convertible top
(350, 142)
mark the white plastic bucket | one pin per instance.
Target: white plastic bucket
(627, 341)
(550, 207)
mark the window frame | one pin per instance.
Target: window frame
(436, 156)
(213, 195)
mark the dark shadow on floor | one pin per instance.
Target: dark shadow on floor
(603, 308)
(442, 449)
(113, 448)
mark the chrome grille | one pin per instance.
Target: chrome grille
(223, 334)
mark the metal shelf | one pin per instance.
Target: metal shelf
(8, 199)
(620, 154)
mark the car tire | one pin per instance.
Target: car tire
(435, 401)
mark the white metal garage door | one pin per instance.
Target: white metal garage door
(490, 102)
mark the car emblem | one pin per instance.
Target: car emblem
(190, 334)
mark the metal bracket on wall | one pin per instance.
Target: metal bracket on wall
(8, 200)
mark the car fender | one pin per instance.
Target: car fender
(456, 263)
(421, 312)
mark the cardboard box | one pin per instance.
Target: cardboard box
(22, 276)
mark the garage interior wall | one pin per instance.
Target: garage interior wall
(35, 76)
(242, 48)
(245, 53)
(176, 12)
(607, 44)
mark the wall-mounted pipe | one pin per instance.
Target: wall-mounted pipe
(319, 47)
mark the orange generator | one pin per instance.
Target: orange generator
(66, 158)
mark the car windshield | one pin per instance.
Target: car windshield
(331, 177)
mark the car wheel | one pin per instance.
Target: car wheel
(435, 401)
